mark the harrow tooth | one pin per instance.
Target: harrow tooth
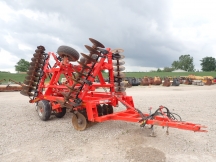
(78, 81)
(118, 68)
(118, 63)
(30, 82)
(118, 57)
(117, 50)
(79, 73)
(67, 94)
(119, 74)
(25, 93)
(70, 106)
(92, 50)
(88, 57)
(72, 89)
(96, 43)
(83, 65)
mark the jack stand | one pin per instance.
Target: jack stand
(152, 134)
(167, 131)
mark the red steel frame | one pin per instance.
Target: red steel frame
(91, 98)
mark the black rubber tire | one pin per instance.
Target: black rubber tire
(109, 109)
(99, 110)
(44, 110)
(71, 53)
(105, 109)
(61, 114)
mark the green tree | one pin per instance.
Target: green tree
(208, 64)
(185, 62)
(168, 69)
(159, 70)
(22, 65)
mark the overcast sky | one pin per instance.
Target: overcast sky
(153, 33)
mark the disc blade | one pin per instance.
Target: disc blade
(88, 57)
(41, 61)
(26, 93)
(119, 74)
(40, 49)
(39, 56)
(117, 50)
(30, 82)
(96, 43)
(121, 84)
(120, 89)
(32, 78)
(83, 65)
(118, 68)
(32, 68)
(118, 63)
(118, 57)
(36, 64)
(92, 50)
(28, 88)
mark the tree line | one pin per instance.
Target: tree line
(185, 62)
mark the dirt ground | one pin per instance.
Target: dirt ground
(25, 138)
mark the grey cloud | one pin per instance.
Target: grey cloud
(116, 24)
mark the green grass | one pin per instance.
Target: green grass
(168, 74)
(21, 77)
(15, 77)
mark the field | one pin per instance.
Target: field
(21, 77)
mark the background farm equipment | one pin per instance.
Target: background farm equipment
(8, 87)
(146, 81)
(79, 92)
(167, 82)
(175, 82)
(133, 81)
(198, 80)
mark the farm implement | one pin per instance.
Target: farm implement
(10, 88)
(82, 95)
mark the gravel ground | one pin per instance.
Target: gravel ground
(25, 138)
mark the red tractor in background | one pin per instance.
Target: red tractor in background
(79, 92)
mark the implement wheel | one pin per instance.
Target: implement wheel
(44, 110)
(61, 114)
(109, 109)
(71, 53)
(79, 121)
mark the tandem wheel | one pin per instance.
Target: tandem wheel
(44, 110)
